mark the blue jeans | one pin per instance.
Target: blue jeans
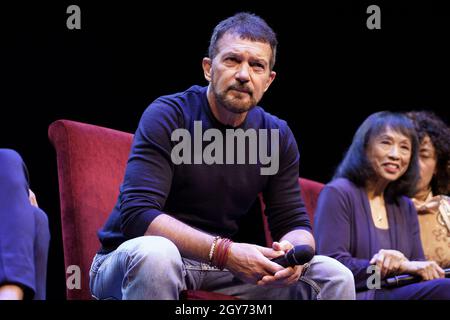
(152, 268)
(24, 230)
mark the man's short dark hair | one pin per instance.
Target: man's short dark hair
(358, 168)
(247, 26)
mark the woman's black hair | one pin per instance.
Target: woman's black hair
(357, 167)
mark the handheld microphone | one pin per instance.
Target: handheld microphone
(298, 255)
(405, 279)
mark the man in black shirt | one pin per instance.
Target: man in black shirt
(191, 177)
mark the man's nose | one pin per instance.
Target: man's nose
(243, 75)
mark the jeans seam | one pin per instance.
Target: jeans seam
(310, 282)
(313, 285)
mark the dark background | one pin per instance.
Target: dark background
(332, 72)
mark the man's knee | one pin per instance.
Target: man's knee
(154, 269)
(153, 253)
(333, 270)
(335, 279)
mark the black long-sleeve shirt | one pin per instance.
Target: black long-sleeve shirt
(209, 197)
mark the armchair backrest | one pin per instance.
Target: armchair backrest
(309, 191)
(91, 163)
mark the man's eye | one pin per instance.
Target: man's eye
(258, 66)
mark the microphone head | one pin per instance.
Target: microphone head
(300, 255)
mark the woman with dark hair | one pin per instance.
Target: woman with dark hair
(431, 198)
(364, 217)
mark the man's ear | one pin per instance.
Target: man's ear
(206, 64)
(272, 76)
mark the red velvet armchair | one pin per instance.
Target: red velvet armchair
(91, 163)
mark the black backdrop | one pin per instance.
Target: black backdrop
(332, 73)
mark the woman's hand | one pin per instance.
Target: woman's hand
(428, 270)
(388, 262)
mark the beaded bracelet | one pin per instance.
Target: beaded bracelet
(221, 256)
(212, 249)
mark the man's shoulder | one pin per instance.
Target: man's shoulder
(193, 93)
(176, 106)
(192, 97)
(266, 120)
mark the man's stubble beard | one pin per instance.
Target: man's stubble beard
(234, 105)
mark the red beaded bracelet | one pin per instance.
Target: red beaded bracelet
(221, 253)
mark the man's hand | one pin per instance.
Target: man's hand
(428, 270)
(251, 263)
(388, 262)
(285, 276)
